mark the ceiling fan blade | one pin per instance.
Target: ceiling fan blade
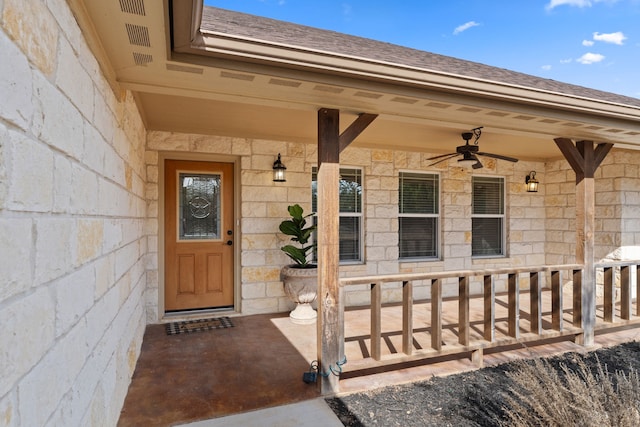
(442, 155)
(446, 157)
(477, 165)
(498, 156)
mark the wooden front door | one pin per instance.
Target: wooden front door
(199, 235)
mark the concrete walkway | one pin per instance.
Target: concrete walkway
(312, 413)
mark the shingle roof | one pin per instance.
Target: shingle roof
(270, 30)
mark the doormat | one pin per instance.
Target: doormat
(190, 326)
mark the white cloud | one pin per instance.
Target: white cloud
(465, 27)
(546, 67)
(587, 43)
(346, 9)
(578, 3)
(590, 58)
(566, 61)
(615, 38)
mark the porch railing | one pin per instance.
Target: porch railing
(555, 282)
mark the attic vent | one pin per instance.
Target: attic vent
(280, 82)
(138, 35)
(549, 121)
(142, 58)
(135, 7)
(497, 114)
(469, 109)
(237, 76)
(404, 100)
(614, 130)
(522, 117)
(438, 105)
(368, 95)
(329, 89)
(184, 69)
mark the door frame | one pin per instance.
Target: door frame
(198, 157)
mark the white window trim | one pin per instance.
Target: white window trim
(438, 217)
(360, 214)
(503, 216)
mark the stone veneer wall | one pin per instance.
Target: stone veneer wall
(72, 218)
(617, 210)
(264, 204)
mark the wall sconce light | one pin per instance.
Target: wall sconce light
(532, 182)
(278, 170)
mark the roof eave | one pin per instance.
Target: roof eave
(281, 55)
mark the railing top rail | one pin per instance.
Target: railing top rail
(407, 277)
(624, 263)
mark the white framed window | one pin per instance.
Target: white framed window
(488, 217)
(418, 215)
(351, 217)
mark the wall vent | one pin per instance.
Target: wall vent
(138, 35)
(135, 7)
(142, 58)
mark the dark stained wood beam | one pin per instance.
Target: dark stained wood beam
(571, 153)
(328, 136)
(583, 158)
(355, 129)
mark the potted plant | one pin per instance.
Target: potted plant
(300, 279)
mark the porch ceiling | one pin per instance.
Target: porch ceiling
(208, 83)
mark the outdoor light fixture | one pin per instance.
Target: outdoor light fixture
(278, 170)
(532, 182)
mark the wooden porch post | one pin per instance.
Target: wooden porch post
(584, 158)
(330, 326)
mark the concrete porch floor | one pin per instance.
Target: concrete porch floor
(259, 364)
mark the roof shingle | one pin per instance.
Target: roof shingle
(280, 32)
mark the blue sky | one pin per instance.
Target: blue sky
(593, 43)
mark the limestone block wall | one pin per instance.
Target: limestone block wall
(617, 209)
(72, 217)
(263, 204)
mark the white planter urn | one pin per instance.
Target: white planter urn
(301, 286)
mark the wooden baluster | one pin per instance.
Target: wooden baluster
(556, 301)
(489, 308)
(407, 317)
(609, 295)
(376, 320)
(436, 314)
(625, 292)
(463, 310)
(638, 290)
(577, 298)
(514, 305)
(535, 300)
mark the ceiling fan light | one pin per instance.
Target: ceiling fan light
(468, 160)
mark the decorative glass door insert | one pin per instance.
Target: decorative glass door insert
(199, 207)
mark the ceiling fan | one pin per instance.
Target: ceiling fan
(470, 152)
